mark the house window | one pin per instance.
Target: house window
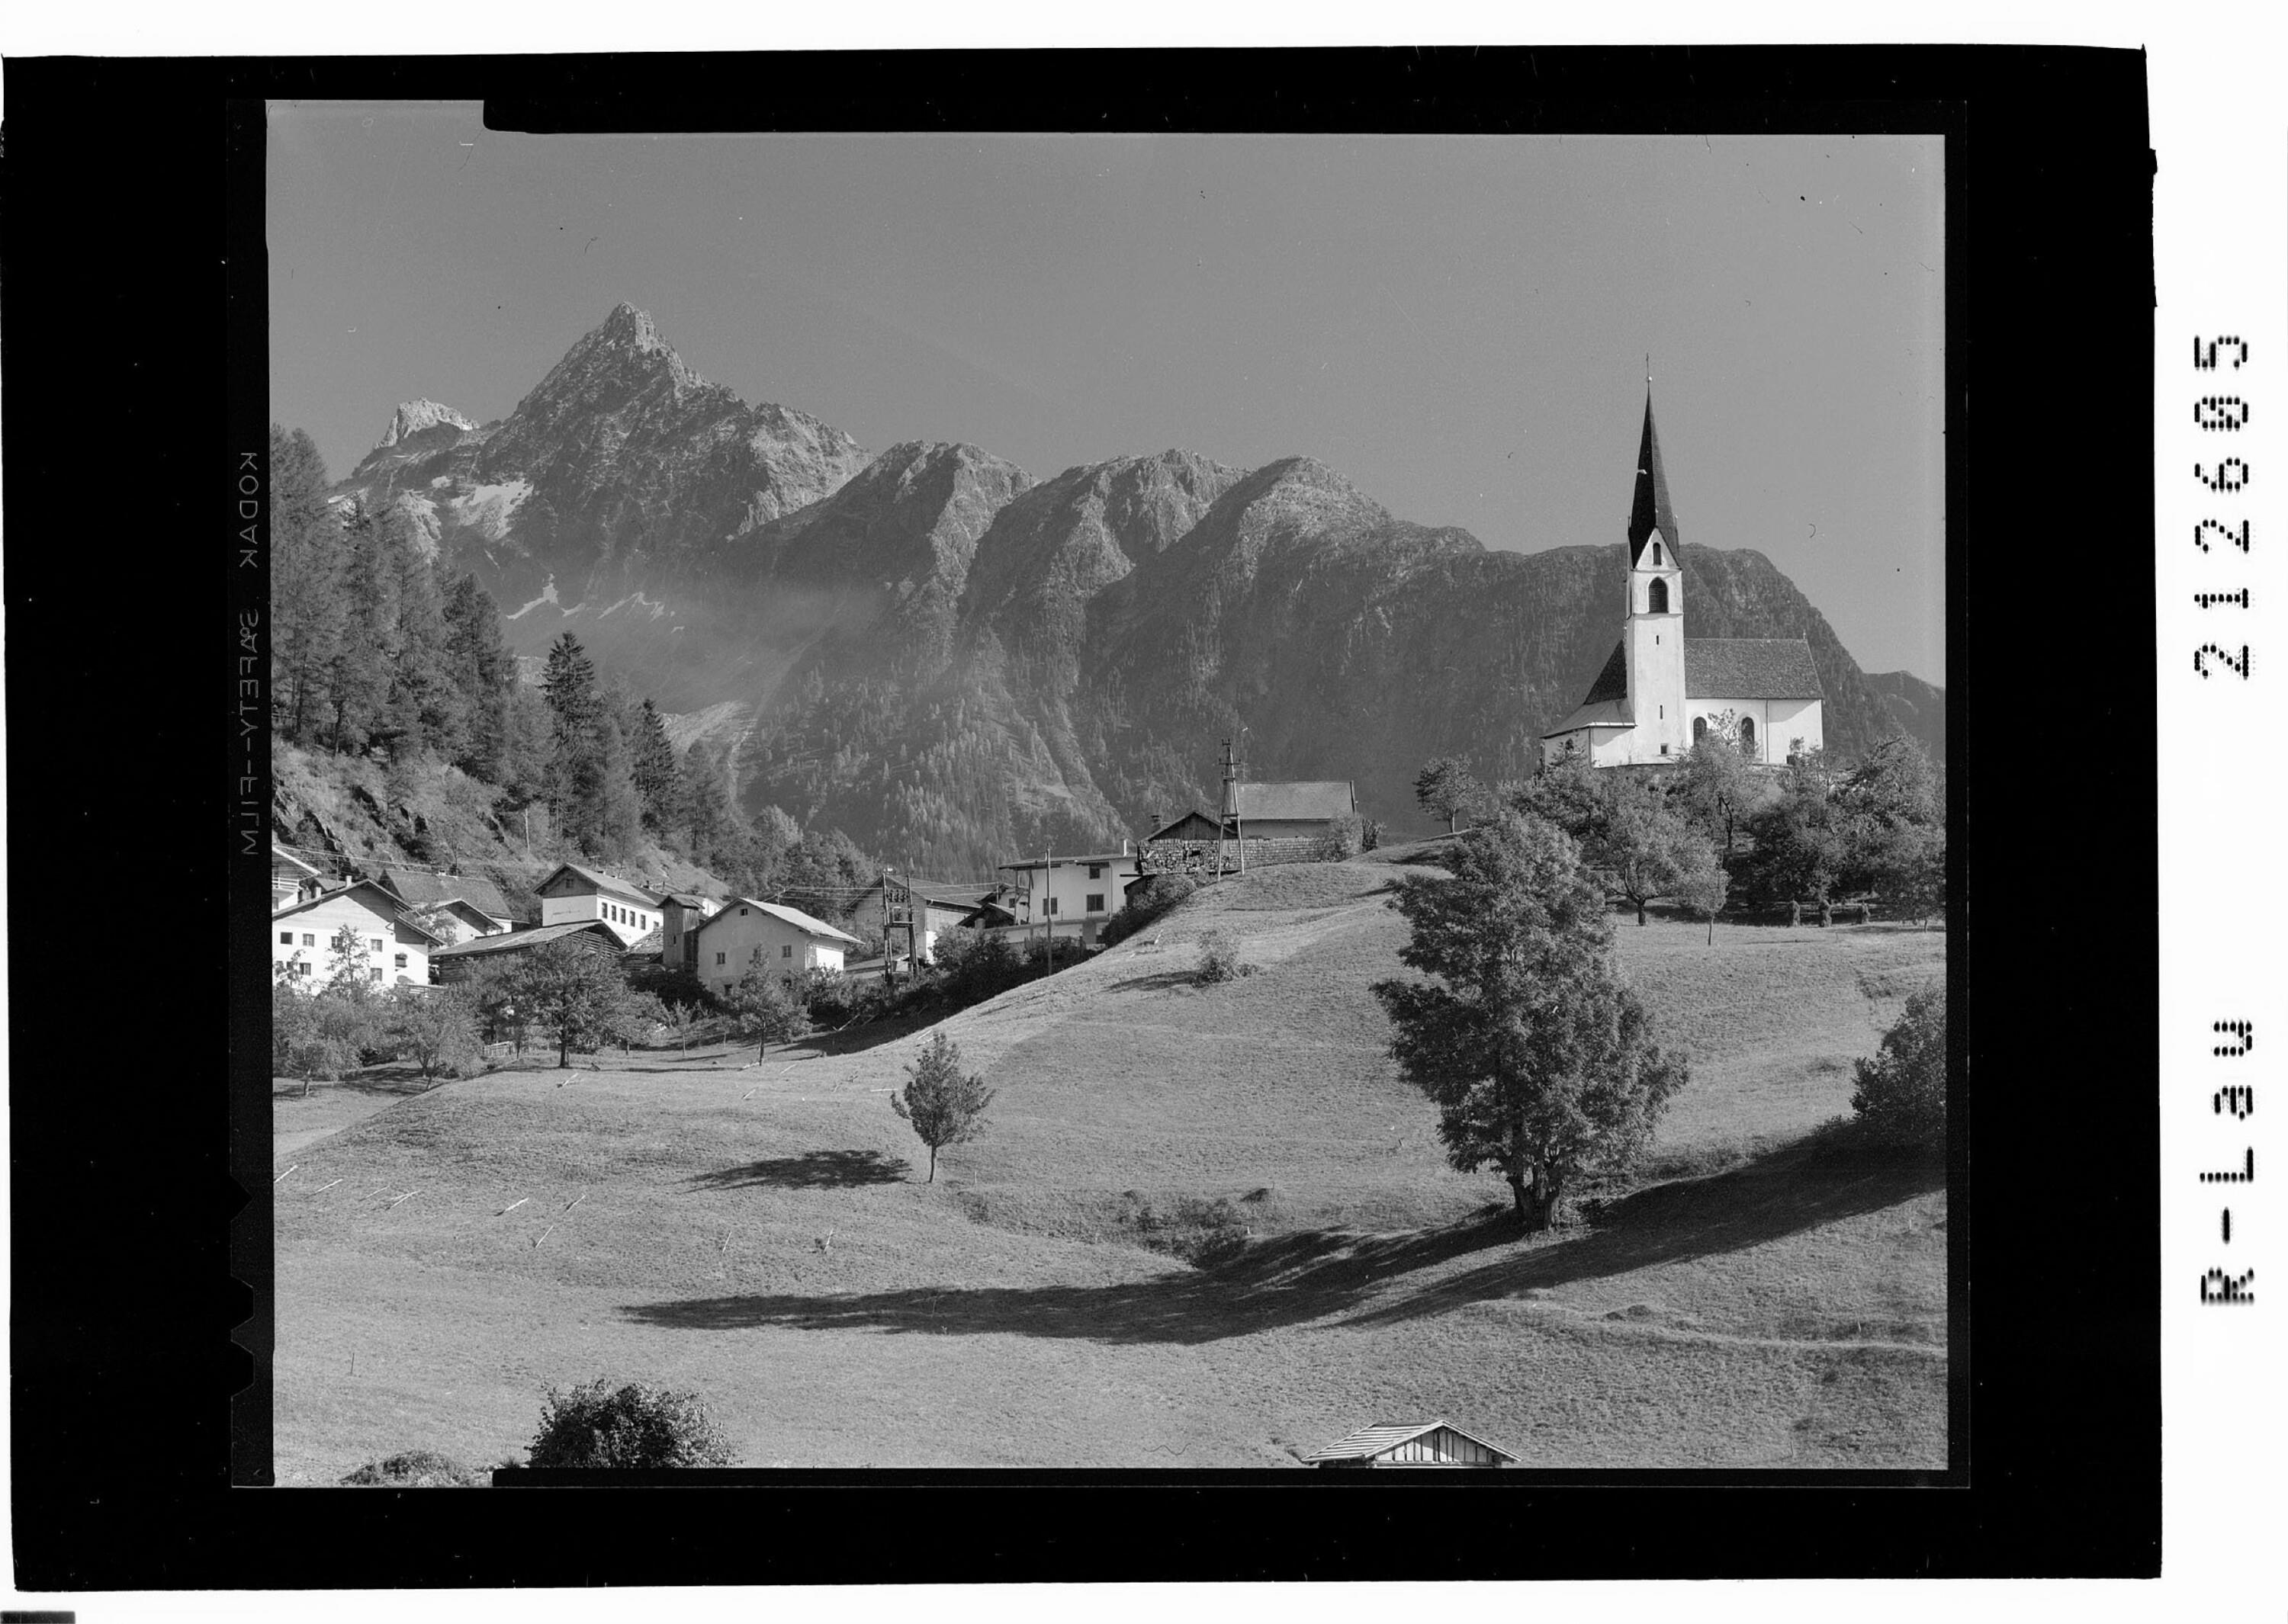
(299, 967)
(719, 958)
(1656, 599)
(1096, 902)
(1096, 871)
(285, 938)
(757, 955)
(786, 950)
(1699, 729)
(1052, 905)
(375, 972)
(376, 944)
(742, 913)
(309, 940)
(400, 961)
(1748, 737)
(1664, 749)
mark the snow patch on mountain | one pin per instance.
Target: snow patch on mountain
(488, 509)
(547, 596)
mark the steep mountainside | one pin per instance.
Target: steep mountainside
(954, 664)
(1918, 707)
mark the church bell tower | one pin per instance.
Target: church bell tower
(1653, 633)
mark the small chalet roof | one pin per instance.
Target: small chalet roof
(517, 941)
(1296, 802)
(375, 897)
(1750, 668)
(682, 898)
(651, 943)
(423, 888)
(608, 884)
(1194, 825)
(280, 854)
(1368, 1442)
(1058, 861)
(794, 916)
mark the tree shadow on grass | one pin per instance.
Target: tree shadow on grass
(811, 1170)
(1291, 1280)
(1156, 982)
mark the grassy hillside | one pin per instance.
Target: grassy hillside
(1755, 1304)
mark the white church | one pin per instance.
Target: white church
(1661, 690)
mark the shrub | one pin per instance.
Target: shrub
(1346, 837)
(637, 1427)
(418, 1468)
(315, 1058)
(1145, 904)
(1902, 1095)
(437, 1028)
(944, 1105)
(1219, 959)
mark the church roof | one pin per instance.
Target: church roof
(1749, 668)
(1650, 510)
(1613, 681)
(1604, 713)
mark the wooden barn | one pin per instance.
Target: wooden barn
(1430, 1443)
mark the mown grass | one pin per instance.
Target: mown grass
(757, 1232)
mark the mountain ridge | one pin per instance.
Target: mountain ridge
(952, 661)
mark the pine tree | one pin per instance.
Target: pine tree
(618, 809)
(574, 776)
(483, 671)
(307, 606)
(425, 709)
(706, 798)
(944, 1106)
(358, 676)
(658, 782)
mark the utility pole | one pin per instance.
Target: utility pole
(1231, 802)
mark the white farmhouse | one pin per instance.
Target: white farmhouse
(573, 893)
(393, 950)
(1070, 896)
(745, 932)
(1660, 691)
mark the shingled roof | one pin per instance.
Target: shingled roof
(1368, 1442)
(1650, 510)
(520, 941)
(1750, 668)
(422, 888)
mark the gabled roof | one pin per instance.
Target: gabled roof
(609, 885)
(1059, 860)
(1613, 681)
(1209, 826)
(1750, 668)
(517, 941)
(653, 942)
(422, 888)
(1305, 800)
(794, 916)
(380, 901)
(280, 854)
(685, 899)
(1649, 511)
(1368, 1442)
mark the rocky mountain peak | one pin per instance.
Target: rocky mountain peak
(414, 417)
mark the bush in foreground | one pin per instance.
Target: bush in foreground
(1219, 959)
(418, 1468)
(636, 1427)
(1902, 1095)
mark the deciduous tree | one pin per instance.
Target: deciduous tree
(944, 1105)
(766, 1009)
(572, 988)
(1540, 1059)
(1446, 788)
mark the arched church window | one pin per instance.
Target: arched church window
(1699, 729)
(1656, 553)
(1748, 737)
(1656, 599)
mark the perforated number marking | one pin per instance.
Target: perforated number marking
(2226, 412)
(2208, 650)
(2224, 533)
(2205, 359)
(2230, 475)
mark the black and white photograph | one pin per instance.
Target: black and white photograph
(1106, 801)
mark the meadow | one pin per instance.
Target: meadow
(761, 1232)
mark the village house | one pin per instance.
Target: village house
(393, 949)
(1069, 896)
(915, 913)
(573, 893)
(745, 932)
(424, 890)
(1271, 823)
(682, 913)
(503, 947)
(1430, 1443)
(292, 880)
(1661, 692)
(1306, 810)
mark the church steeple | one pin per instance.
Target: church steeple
(1651, 511)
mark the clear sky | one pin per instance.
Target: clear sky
(1459, 325)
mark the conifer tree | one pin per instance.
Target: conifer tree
(658, 782)
(482, 669)
(358, 676)
(306, 605)
(706, 798)
(575, 770)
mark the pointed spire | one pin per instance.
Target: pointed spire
(1650, 510)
